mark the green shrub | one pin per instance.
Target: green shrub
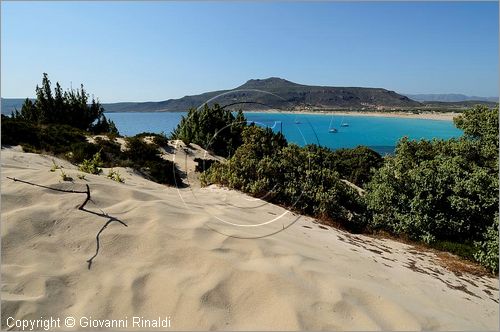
(163, 171)
(145, 158)
(93, 165)
(203, 164)
(487, 249)
(55, 139)
(54, 166)
(215, 129)
(15, 132)
(65, 177)
(161, 140)
(443, 191)
(111, 153)
(266, 167)
(81, 151)
(104, 126)
(429, 195)
(139, 151)
(29, 148)
(145, 134)
(71, 143)
(464, 250)
(355, 165)
(115, 176)
(480, 125)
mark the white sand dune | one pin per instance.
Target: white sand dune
(180, 256)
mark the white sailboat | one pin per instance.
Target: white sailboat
(330, 128)
(343, 124)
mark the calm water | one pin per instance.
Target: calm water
(381, 134)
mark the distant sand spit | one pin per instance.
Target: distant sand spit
(443, 116)
(174, 260)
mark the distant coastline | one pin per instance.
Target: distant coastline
(446, 116)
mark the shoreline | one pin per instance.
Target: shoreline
(401, 115)
(448, 116)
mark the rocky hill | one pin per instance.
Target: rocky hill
(278, 93)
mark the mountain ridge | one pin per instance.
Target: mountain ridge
(277, 93)
(283, 94)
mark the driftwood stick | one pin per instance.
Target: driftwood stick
(81, 208)
(90, 260)
(87, 199)
(56, 189)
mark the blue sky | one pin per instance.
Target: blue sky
(141, 51)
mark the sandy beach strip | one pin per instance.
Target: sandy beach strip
(445, 116)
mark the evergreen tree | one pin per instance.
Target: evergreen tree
(214, 128)
(69, 107)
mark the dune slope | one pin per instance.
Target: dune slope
(206, 259)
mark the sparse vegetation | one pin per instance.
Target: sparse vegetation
(65, 177)
(93, 165)
(115, 176)
(54, 166)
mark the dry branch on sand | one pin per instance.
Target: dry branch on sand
(81, 208)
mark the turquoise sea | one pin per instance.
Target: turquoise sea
(378, 133)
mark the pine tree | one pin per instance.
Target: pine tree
(68, 107)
